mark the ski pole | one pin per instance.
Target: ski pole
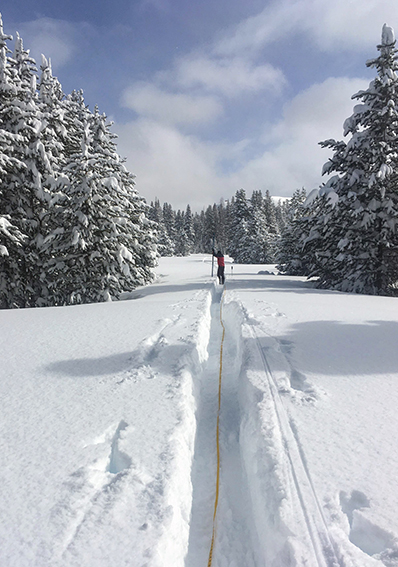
(212, 258)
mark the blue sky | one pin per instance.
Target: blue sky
(213, 95)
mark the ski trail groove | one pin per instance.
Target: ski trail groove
(326, 552)
(210, 561)
(232, 542)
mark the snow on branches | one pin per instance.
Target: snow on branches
(351, 240)
(73, 228)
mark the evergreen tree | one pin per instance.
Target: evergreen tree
(165, 245)
(198, 228)
(155, 212)
(290, 251)
(105, 244)
(10, 240)
(354, 225)
(180, 238)
(239, 242)
(24, 197)
(54, 133)
(260, 239)
(72, 226)
(270, 214)
(314, 229)
(281, 214)
(272, 227)
(184, 232)
(209, 229)
(221, 212)
(188, 228)
(169, 219)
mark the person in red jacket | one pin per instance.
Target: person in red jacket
(221, 266)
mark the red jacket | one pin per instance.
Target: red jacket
(220, 259)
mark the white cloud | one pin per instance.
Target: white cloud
(177, 168)
(183, 169)
(354, 24)
(194, 89)
(229, 76)
(336, 25)
(274, 22)
(293, 157)
(322, 107)
(171, 108)
(57, 39)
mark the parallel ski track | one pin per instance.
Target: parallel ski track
(325, 549)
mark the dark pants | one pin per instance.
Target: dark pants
(220, 274)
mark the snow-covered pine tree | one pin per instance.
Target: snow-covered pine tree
(104, 244)
(54, 133)
(189, 229)
(10, 237)
(272, 226)
(50, 149)
(260, 239)
(290, 250)
(165, 245)
(169, 219)
(184, 236)
(23, 194)
(270, 214)
(155, 212)
(9, 234)
(356, 226)
(198, 228)
(281, 208)
(180, 238)
(209, 229)
(10, 240)
(317, 234)
(239, 242)
(222, 210)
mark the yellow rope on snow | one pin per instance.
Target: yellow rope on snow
(217, 438)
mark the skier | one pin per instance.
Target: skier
(221, 265)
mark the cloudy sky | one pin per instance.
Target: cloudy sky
(208, 96)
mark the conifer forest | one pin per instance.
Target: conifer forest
(74, 229)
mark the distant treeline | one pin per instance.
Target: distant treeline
(247, 229)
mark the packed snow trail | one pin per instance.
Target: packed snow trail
(108, 425)
(293, 524)
(237, 532)
(269, 513)
(218, 464)
(232, 544)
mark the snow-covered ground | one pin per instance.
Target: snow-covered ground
(108, 426)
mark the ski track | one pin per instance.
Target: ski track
(291, 524)
(269, 513)
(254, 525)
(233, 546)
(110, 486)
(322, 543)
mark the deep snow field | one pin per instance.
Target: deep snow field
(108, 426)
